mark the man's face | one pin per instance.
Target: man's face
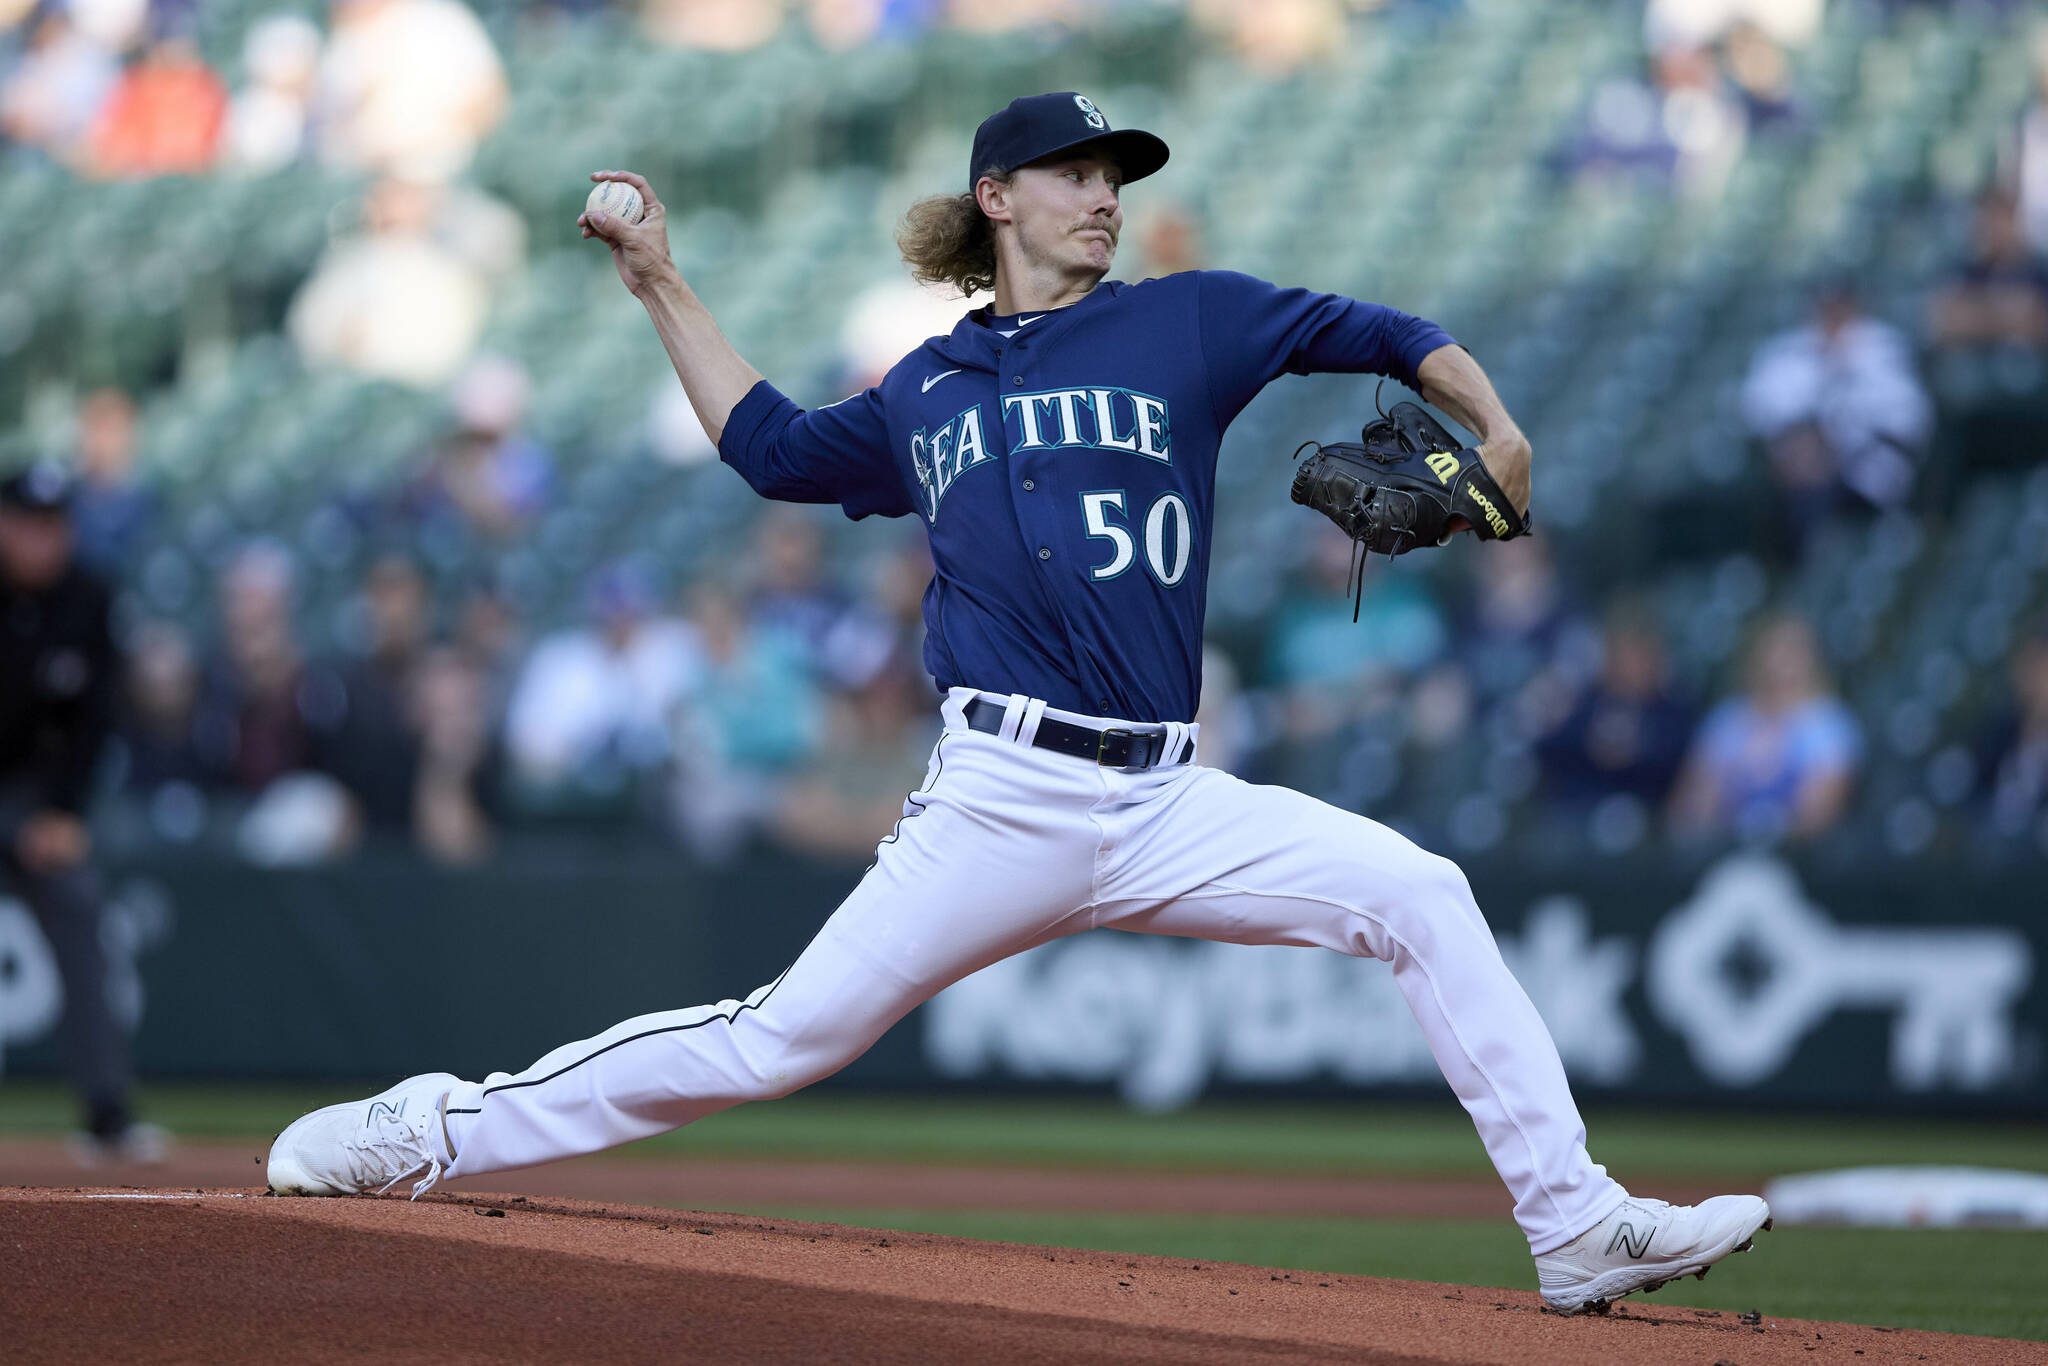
(34, 546)
(1065, 211)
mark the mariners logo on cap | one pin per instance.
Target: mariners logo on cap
(1090, 112)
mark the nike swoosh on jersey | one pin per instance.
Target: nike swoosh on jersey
(936, 378)
(1026, 322)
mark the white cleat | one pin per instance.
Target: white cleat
(1643, 1244)
(366, 1147)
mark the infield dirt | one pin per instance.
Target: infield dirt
(236, 1275)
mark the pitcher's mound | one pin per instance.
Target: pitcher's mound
(222, 1276)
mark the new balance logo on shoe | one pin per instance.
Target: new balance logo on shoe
(390, 1111)
(1625, 1236)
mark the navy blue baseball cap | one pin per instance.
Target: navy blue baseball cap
(1037, 126)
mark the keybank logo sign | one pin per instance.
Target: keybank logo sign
(1951, 990)
(138, 918)
(1164, 1019)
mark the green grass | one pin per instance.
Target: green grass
(1986, 1282)
(1973, 1282)
(1408, 1139)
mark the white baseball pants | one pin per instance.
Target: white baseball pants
(1005, 847)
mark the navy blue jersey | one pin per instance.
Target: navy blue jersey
(1067, 473)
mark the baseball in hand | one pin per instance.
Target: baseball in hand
(617, 198)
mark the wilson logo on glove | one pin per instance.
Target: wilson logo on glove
(1378, 493)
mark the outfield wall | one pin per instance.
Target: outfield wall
(1748, 979)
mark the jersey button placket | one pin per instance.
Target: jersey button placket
(1030, 484)
(1044, 553)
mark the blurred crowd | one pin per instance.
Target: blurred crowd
(119, 88)
(784, 702)
(407, 88)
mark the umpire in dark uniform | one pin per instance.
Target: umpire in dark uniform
(58, 673)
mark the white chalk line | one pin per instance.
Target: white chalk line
(165, 1195)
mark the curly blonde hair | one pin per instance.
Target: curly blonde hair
(947, 240)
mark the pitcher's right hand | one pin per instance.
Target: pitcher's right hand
(639, 250)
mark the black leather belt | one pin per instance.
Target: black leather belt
(1112, 748)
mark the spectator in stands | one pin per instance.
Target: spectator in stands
(372, 739)
(1169, 243)
(1680, 126)
(1625, 731)
(1525, 630)
(1314, 643)
(1325, 675)
(123, 26)
(490, 478)
(455, 782)
(592, 708)
(750, 717)
(490, 635)
(270, 119)
(113, 510)
(2013, 752)
(260, 704)
(1760, 75)
(1700, 111)
(847, 25)
(268, 720)
(55, 92)
(1523, 644)
(1278, 37)
(1777, 761)
(877, 740)
(756, 699)
(1840, 410)
(163, 769)
(2000, 297)
(791, 597)
(407, 88)
(713, 25)
(394, 302)
(892, 602)
(1622, 136)
(164, 117)
(1702, 23)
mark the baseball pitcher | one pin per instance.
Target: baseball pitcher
(1060, 447)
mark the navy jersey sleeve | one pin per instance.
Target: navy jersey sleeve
(835, 454)
(1253, 332)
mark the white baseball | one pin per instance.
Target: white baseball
(618, 199)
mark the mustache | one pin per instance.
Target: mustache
(1095, 223)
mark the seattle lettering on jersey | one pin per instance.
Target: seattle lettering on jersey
(1103, 419)
(940, 457)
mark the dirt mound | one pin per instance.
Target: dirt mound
(223, 1275)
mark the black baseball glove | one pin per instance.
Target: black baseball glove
(1404, 485)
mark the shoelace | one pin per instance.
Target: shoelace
(399, 1152)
